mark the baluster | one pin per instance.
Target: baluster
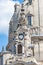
(36, 31)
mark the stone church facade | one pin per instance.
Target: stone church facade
(25, 35)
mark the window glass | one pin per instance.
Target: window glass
(30, 2)
(29, 20)
(19, 48)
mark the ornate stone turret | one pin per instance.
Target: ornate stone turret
(22, 19)
(19, 38)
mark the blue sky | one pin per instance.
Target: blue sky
(6, 12)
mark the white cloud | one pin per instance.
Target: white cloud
(6, 12)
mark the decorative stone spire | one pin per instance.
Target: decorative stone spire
(22, 19)
(15, 6)
(22, 10)
(2, 48)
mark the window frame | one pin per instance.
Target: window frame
(30, 2)
(29, 21)
(19, 52)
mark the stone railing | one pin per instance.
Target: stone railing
(36, 30)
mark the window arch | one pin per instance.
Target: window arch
(19, 48)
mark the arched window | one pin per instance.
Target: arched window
(14, 49)
(29, 20)
(19, 48)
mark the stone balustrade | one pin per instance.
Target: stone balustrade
(36, 30)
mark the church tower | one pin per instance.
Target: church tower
(19, 43)
(24, 36)
(19, 35)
